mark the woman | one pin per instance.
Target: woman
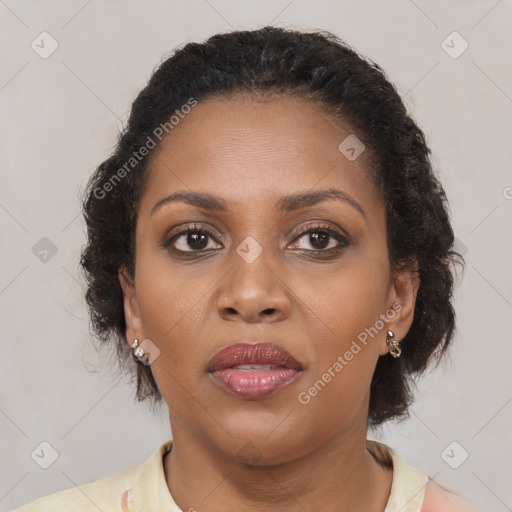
(270, 251)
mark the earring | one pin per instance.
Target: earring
(138, 352)
(394, 349)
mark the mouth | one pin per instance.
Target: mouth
(253, 370)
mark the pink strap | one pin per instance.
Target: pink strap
(439, 499)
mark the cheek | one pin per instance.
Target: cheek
(172, 316)
(346, 301)
(167, 307)
(344, 312)
(174, 307)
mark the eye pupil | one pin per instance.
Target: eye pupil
(318, 239)
(197, 240)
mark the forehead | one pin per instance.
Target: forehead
(248, 148)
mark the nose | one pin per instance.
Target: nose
(253, 292)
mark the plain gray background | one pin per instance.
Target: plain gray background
(60, 118)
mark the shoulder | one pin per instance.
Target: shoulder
(412, 490)
(113, 493)
(408, 484)
(439, 499)
(104, 494)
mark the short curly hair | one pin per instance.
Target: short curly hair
(320, 67)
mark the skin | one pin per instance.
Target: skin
(252, 151)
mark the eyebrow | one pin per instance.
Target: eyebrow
(204, 201)
(286, 204)
(302, 200)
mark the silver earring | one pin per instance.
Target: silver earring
(138, 351)
(394, 349)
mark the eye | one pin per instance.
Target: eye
(320, 238)
(192, 239)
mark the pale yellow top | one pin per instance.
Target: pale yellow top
(144, 488)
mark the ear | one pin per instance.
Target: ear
(402, 301)
(131, 307)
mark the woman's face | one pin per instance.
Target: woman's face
(311, 276)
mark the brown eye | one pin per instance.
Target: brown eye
(320, 239)
(317, 240)
(196, 241)
(193, 240)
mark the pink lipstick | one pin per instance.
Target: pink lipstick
(253, 370)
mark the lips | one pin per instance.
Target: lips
(252, 354)
(253, 370)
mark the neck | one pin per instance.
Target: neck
(339, 474)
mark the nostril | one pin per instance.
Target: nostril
(269, 311)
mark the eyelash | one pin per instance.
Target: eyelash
(343, 240)
(191, 228)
